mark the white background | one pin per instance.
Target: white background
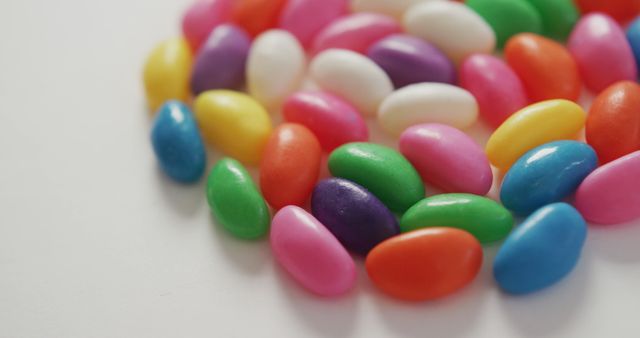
(95, 242)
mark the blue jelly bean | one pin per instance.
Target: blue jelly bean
(633, 35)
(177, 143)
(542, 250)
(546, 174)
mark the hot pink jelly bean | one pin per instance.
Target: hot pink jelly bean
(355, 32)
(305, 18)
(331, 119)
(611, 193)
(602, 52)
(495, 85)
(447, 158)
(310, 253)
(202, 17)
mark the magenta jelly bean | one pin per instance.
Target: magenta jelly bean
(306, 18)
(202, 17)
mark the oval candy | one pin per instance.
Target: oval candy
(633, 36)
(233, 122)
(611, 193)
(310, 253)
(354, 215)
(621, 10)
(447, 158)
(381, 170)
(236, 201)
(333, 121)
(220, 63)
(558, 17)
(546, 174)
(306, 18)
(532, 126)
(290, 165)
(166, 72)
(256, 16)
(275, 67)
(408, 60)
(541, 251)
(177, 144)
(496, 87)
(425, 264)
(392, 8)
(353, 77)
(484, 218)
(427, 103)
(508, 17)
(202, 17)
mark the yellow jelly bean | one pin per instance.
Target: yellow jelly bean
(233, 122)
(167, 72)
(532, 126)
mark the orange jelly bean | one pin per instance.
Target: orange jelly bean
(290, 165)
(546, 68)
(621, 10)
(256, 16)
(613, 124)
(425, 264)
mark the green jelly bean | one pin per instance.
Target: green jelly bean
(381, 170)
(235, 200)
(482, 217)
(558, 17)
(508, 17)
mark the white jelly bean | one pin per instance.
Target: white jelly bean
(394, 8)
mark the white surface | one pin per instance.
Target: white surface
(94, 242)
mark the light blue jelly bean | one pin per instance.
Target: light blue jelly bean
(633, 35)
(177, 143)
(546, 174)
(542, 250)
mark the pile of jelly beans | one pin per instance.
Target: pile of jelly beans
(426, 70)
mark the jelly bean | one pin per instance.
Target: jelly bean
(602, 52)
(532, 126)
(381, 170)
(353, 77)
(546, 174)
(621, 10)
(393, 8)
(425, 264)
(166, 72)
(408, 60)
(235, 200)
(508, 17)
(310, 253)
(447, 158)
(497, 89)
(333, 121)
(290, 165)
(633, 36)
(177, 144)
(306, 18)
(202, 17)
(546, 67)
(540, 251)
(256, 16)
(275, 67)
(611, 193)
(356, 32)
(613, 124)
(558, 17)
(354, 215)
(426, 103)
(233, 122)
(454, 28)
(482, 217)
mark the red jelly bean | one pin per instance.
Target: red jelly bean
(613, 124)
(621, 10)
(256, 16)
(290, 165)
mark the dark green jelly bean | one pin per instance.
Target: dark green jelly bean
(235, 200)
(508, 17)
(482, 217)
(558, 17)
(381, 170)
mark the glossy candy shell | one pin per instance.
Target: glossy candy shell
(166, 72)
(508, 17)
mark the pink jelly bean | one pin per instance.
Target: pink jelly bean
(310, 253)
(447, 158)
(202, 17)
(611, 193)
(495, 85)
(305, 18)
(355, 32)
(602, 52)
(331, 119)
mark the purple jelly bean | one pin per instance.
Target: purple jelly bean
(408, 60)
(354, 215)
(221, 60)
